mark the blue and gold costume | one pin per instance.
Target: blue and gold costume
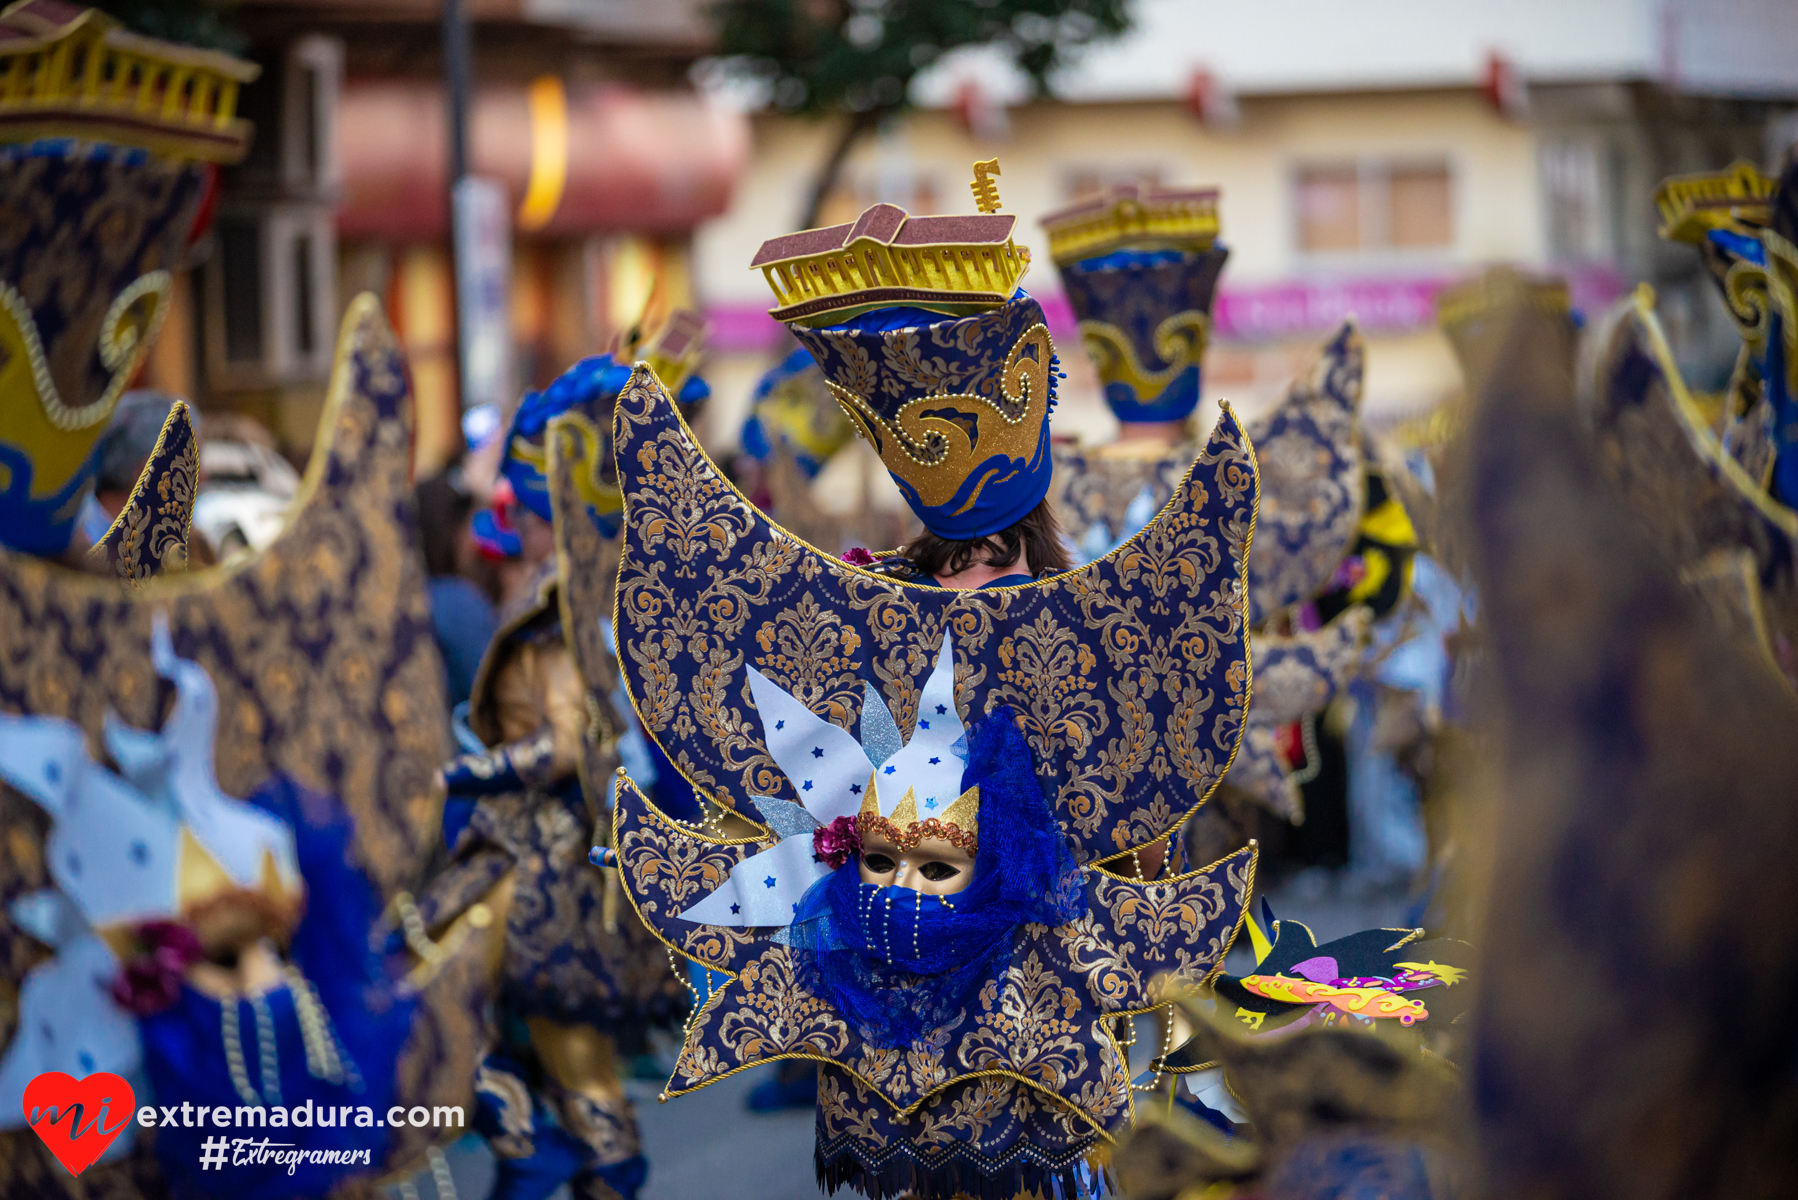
(1719, 485)
(93, 172)
(294, 766)
(1081, 716)
(580, 980)
(320, 651)
(1141, 267)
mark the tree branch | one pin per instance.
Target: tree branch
(854, 129)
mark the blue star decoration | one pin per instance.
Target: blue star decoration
(780, 724)
(736, 908)
(817, 752)
(768, 882)
(890, 770)
(923, 724)
(808, 785)
(935, 761)
(941, 709)
(855, 789)
(930, 803)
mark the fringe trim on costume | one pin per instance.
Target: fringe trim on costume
(902, 1177)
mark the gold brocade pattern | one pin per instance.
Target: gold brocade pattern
(150, 534)
(1130, 674)
(938, 441)
(1043, 1023)
(322, 653)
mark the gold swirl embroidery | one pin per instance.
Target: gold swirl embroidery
(1179, 341)
(935, 443)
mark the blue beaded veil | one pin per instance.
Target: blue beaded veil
(901, 965)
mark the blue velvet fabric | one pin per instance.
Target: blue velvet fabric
(895, 357)
(1135, 292)
(582, 384)
(865, 947)
(185, 1056)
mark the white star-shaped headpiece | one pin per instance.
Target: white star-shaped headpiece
(831, 769)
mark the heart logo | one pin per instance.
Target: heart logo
(78, 1118)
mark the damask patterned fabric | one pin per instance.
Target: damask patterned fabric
(1114, 491)
(150, 534)
(1130, 679)
(562, 961)
(570, 956)
(1040, 1047)
(322, 653)
(1131, 673)
(90, 236)
(1145, 319)
(1646, 849)
(1296, 676)
(1677, 476)
(1309, 452)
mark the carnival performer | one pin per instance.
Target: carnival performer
(1719, 485)
(64, 155)
(211, 916)
(937, 747)
(208, 788)
(1141, 267)
(581, 982)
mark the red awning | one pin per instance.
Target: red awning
(642, 162)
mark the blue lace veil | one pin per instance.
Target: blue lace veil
(901, 966)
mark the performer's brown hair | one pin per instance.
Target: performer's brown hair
(1036, 540)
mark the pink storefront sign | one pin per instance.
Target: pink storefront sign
(1251, 312)
(1262, 313)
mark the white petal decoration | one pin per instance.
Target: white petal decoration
(67, 1022)
(42, 757)
(764, 889)
(931, 764)
(827, 765)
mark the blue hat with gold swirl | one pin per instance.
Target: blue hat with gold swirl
(103, 178)
(791, 407)
(941, 361)
(593, 385)
(1140, 265)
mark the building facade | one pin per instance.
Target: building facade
(1368, 157)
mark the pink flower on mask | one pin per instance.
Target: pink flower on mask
(835, 842)
(858, 556)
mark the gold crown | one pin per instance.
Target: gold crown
(959, 825)
(76, 72)
(1142, 217)
(1739, 198)
(954, 265)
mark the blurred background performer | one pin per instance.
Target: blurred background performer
(581, 982)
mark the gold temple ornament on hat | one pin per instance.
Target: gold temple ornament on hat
(78, 73)
(1142, 218)
(955, 265)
